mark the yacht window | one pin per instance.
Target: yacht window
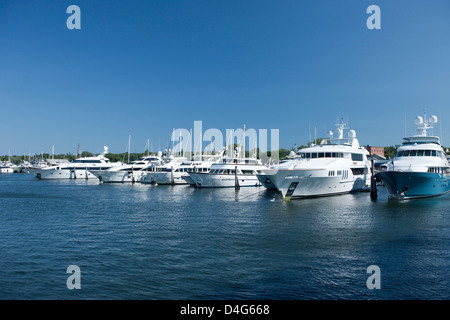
(433, 153)
(328, 155)
(413, 153)
(314, 155)
(427, 153)
(321, 155)
(420, 153)
(307, 155)
(247, 171)
(339, 155)
(400, 154)
(357, 157)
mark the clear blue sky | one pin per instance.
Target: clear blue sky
(146, 67)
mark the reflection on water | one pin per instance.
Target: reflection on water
(177, 242)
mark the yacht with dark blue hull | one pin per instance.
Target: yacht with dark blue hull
(420, 168)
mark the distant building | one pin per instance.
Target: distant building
(375, 150)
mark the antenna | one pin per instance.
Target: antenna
(309, 129)
(129, 147)
(440, 126)
(405, 125)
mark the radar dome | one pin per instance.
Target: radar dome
(433, 120)
(352, 134)
(419, 120)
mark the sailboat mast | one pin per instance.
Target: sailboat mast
(129, 147)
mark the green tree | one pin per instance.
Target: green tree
(389, 152)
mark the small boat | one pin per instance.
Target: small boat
(420, 167)
(8, 166)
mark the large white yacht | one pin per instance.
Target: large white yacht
(335, 166)
(130, 172)
(230, 172)
(77, 169)
(420, 168)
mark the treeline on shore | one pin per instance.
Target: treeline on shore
(123, 157)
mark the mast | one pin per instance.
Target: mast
(244, 140)
(129, 147)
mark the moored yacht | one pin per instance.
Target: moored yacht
(130, 172)
(230, 172)
(77, 169)
(7, 167)
(166, 173)
(335, 166)
(420, 167)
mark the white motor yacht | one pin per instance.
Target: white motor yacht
(77, 169)
(167, 172)
(335, 166)
(230, 172)
(130, 172)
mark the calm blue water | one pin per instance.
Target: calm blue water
(162, 242)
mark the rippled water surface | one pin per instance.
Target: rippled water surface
(163, 242)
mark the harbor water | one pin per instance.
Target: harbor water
(178, 242)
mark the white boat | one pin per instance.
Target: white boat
(337, 165)
(165, 173)
(176, 170)
(420, 167)
(6, 167)
(230, 172)
(77, 169)
(130, 172)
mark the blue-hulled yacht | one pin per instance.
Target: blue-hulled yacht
(420, 168)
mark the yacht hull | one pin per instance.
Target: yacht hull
(162, 178)
(315, 183)
(106, 176)
(54, 173)
(211, 180)
(411, 185)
